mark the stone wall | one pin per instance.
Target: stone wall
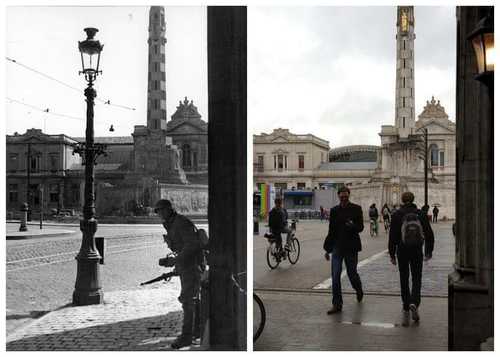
(186, 198)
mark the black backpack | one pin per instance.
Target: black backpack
(412, 232)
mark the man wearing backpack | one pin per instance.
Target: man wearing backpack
(409, 231)
(184, 240)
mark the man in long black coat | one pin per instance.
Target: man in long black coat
(343, 244)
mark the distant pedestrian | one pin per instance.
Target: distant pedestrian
(321, 213)
(373, 214)
(435, 213)
(410, 230)
(343, 244)
(386, 214)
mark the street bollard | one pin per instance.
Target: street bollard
(99, 244)
(24, 216)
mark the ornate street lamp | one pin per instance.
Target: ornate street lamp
(426, 166)
(483, 41)
(88, 287)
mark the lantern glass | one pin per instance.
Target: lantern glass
(489, 44)
(90, 52)
(477, 43)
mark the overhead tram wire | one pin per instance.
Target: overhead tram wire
(107, 102)
(47, 110)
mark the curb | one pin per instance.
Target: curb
(26, 235)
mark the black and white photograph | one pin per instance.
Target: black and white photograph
(372, 177)
(125, 212)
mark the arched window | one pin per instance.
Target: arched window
(434, 151)
(186, 155)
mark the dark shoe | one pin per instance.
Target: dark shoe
(359, 295)
(414, 312)
(405, 319)
(182, 341)
(335, 309)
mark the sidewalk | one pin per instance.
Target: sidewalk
(140, 320)
(371, 325)
(35, 232)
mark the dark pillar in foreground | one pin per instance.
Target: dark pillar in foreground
(227, 168)
(470, 319)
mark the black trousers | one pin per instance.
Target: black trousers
(410, 262)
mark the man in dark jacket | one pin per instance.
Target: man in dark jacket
(409, 256)
(343, 243)
(278, 221)
(435, 213)
(182, 239)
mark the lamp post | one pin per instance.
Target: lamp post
(426, 165)
(88, 287)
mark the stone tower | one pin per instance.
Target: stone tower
(157, 116)
(154, 153)
(405, 78)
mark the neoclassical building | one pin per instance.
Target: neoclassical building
(190, 134)
(287, 160)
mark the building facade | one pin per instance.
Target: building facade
(286, 160)
(190, 134)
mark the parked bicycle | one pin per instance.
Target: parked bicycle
(259, 317)
(276, 252)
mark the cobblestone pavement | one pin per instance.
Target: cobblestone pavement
(146, 319)
(298, 322)
(379, 276)
(41, 273)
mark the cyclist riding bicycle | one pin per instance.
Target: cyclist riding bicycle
(278, 223)
(373, 213)
(386, 214)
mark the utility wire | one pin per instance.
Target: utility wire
(46, 110)
(108, 102)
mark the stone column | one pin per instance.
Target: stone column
(470, 318)
(227, 162)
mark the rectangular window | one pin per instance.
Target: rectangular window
(280, 185)
(53, 161)
(54, 192)
(281, 164)
(301, 201)
(75, 194)
(403, 102)
(301, 162)
(156, 49)
(156, 85)
(13, 193)
(404, 63)
(156, 103)
(157, 66)
(404, 45)
(441, 158)
(13, 161)
(34, 163)
(34, 195)
(275, 165)
(404, 121)
(301, 185)
(286, 162)
(260, 163)
(404, 82)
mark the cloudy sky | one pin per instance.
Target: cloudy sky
(330, 71)
(46, 39)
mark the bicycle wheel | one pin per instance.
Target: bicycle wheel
(273, 259)
(294, 252)
(259, 317)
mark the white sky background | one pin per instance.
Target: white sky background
(46, 38)
(330, 71)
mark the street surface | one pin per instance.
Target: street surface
(296, 297)
(41, 271)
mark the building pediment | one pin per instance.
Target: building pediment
(433, 109)
(279, 140)
(186, 127)
(438, 127)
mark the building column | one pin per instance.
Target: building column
(470, 314)
(227, 162)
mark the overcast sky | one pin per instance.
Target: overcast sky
(46, 38)
(330, 71)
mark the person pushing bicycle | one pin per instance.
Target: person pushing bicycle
(278, 223)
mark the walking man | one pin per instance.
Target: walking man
(278, 222)
(410, 230)
(182, 238)
(435, 212)
(343, 244)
